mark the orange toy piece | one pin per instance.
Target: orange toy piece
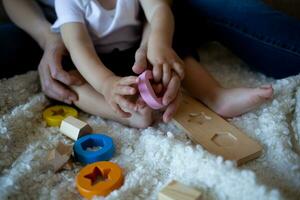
(99, 178)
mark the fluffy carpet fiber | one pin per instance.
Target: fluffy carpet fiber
(154, 156)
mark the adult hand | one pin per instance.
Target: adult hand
(54, 79)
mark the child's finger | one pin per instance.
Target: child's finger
(157, 72)
(172, 90)
(179, 69)
(125, 90)
(140, 64)
(129, 80)
(157, 88)
(140, 103)
(124, 103)
(166, 74)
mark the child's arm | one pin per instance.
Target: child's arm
(160, 53)
(172, 90)
(85, 58)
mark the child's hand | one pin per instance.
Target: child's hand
(164, 60)
(116, 88)
(141, 63)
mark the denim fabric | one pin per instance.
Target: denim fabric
(268, 40)
(18, 51)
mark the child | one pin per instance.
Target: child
(106, 33)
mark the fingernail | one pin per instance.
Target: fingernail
(166, 101)
(72, 98)
(68, 101)
(166, 119)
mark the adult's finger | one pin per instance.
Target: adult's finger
(157, 72)
(59, 92)
(166, 74)
(55, 89)
(57, 72)
(172, 108)
(172, 90)
(179, 69)
(157, 88)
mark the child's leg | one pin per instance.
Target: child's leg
(225, 102)
(94, 103)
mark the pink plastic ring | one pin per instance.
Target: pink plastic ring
(147, 91)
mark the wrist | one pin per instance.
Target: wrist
(51, 40)
(157, 39)
(42, 33)
(106, 84)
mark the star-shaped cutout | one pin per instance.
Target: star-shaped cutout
(96, 176)
(60, 112)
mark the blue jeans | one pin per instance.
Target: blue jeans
(266, 39)
(19, 53)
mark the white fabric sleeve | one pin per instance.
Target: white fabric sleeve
(67, 11)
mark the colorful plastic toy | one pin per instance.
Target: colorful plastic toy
(99, 178)
(84, 152)
(147, 91)
(55, 114)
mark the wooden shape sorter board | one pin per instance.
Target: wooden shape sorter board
(178, 191)
(215, 134)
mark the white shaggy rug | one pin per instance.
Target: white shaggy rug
(154, 156)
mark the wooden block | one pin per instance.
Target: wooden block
(178, 191)
(215, 134)
(69, 165)
(74, 128)
(59, 156)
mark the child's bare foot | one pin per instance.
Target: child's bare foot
(141, 118)
(237, 101)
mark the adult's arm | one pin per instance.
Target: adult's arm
(27, 15)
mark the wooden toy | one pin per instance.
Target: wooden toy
(74, 128)
(55, 114)
(147, 92)
(178, 191)
(214, 133)
(99, 178)
(94, 147)
(60, 156)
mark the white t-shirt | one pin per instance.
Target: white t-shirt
(109, 29)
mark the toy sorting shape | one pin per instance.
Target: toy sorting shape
(103, 145)
(147, 92)
(99, 178)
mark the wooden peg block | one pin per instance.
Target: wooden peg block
(215, 134)
(59, 156)
(178, 191)
(74, 128)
